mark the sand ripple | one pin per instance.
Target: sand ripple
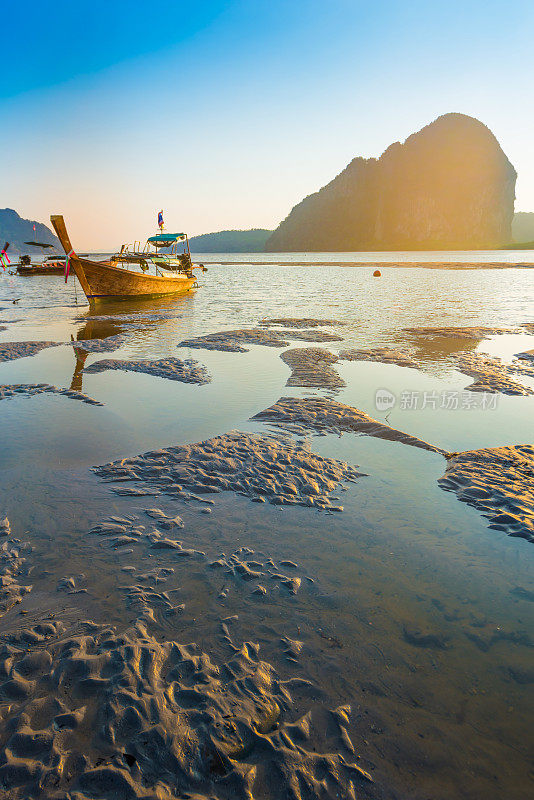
(233, 341)
(328, 416)
(174, 369)
(106, 345)
(9, 351)
(461, 333)
(31, 389)
(102, 714)
(381, 354)
(499, 482)
(12, 588)
(493, 375)
(312, 367)
(528, 356)
(300, 322)
(267, 468)
(311, 336)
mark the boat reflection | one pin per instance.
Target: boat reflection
(80, 356)
(138, 310)
(121, 317)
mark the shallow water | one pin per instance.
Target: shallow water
(436, 721)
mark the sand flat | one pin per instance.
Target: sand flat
(384, 355)
(391, 264)
(32, 389)
(270, 468)
(159, 719)
(9, 351)
(174, 369)
(499, 482)
(312, 367)
(493, 375)
(329, 416)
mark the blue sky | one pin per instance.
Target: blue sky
(227, 114)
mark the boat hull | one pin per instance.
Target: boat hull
(102, 281)
(38, 270)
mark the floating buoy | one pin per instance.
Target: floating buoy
(377, 274)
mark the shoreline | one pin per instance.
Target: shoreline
(384, 264)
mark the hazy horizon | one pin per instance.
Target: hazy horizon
(227, 114)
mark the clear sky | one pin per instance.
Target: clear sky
(226, 114)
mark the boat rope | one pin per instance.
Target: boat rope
(67, 264)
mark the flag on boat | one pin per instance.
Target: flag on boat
(4, 258)
(34, 227)
(160, 219)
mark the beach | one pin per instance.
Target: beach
(271, 539)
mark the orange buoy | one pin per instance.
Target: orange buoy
(377, 274)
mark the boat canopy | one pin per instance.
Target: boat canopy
(39, 244)
(166, 239)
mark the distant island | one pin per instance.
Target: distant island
(523, 229)
(447, 187)
(520, 246)
(251, 241)
(16, 230)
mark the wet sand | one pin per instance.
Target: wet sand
(312, 367)
(174, 369)
(162, 717)
(492, 375)
(500, 483)
(384, 355)
(262, 468)
(242, 613)
(10, 351)
(31, 389)
(232, 341)
(328, 416)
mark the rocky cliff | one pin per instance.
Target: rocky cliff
(16, 231)
(448, 186)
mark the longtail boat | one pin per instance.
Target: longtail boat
(52, 265)
(134, 271)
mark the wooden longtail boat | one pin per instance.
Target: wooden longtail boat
(52, 265)
(132, 272)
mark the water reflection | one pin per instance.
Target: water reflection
(97, 329)
(80, 356)
(139, 310)
(436, 349)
